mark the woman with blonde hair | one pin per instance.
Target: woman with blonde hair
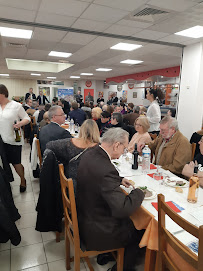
(69, 151)
(142, 136)
(96, 113)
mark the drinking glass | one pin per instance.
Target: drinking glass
(158, 174)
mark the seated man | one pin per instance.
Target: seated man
(53, 131)
(77, 114)
(103, 122)
(28, 104)
(103, 209)
(131, 117)
(172, 150)
(195, 166)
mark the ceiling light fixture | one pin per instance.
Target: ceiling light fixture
(74, 76)
(59, 54)
(131, 61)
(192, 32)
(35, 74)
(103, 70)
(88, 74)
(51, 77)
(15, 33)
(125, 46)
(4, 74)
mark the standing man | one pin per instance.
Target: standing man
(101, 205)
(30, 95)
(89, 98)
(42, 99)
(78, 97)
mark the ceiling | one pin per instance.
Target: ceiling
(88, 28)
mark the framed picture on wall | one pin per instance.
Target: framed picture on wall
(134, 94)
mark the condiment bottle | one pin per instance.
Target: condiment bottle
(193, 189)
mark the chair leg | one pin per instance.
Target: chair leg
(58, 237)
(120, 259)
(67, 242)
(89, 264)
(76, 260)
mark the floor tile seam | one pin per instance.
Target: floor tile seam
(26, 228)
(12, 248)
(33, 267)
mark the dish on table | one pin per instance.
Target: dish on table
(149, 193)
(176, 182)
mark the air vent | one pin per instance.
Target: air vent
(16, 45)
(149, 11)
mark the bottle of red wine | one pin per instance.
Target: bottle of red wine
(135, 156)
(17, 134)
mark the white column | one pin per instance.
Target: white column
(190, 106)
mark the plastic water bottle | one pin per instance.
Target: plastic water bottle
(146, 157)
(72, 130)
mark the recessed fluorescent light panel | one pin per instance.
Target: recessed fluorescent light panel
(103, 70)
(59, 54)
(36, 74)
(88, 74)
(4, 74)
(51, 77)
(15, 33)
(125, 46)
(131, 61)
(193, 32)
(74, 76)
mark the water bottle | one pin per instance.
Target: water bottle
(72, 130)
(135, 160)
(146, 157)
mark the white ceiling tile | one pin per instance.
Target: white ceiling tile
(67, 47)
(24, 4)
(64, 7)
(14, 52)
(122, 30)
(175, 5)
(55, 19)
(171, 51)
(134, 23)
(103, 14)
(151, 35)
(42, 45)
(48, 34)
(78, 38)
(33, 54)
(90, 25)
(128, 5)
(175, 38)
(17, 14)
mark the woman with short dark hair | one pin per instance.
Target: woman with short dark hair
(12, 116)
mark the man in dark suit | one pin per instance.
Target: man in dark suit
(42, 99)
(77, 114)
(53, 131)
(30, 95)
(28, 104)
(103, 209)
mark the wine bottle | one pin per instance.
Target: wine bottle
(135, 160)
(17, 135)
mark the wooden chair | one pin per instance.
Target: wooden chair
(32, 122)
(193, 150)
(39, 153)
(166, 238)
(72, 232)
(153, 136)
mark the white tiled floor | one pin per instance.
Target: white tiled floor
(37, 251)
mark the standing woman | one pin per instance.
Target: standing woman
(153, 111)
(11, 112)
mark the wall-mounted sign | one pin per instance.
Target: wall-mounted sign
(88, 83)
(66, 94)
(130, 86)
(119, 87)
(134, 94)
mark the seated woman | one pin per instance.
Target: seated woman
(69, 151)
(142, 136)
(96, 113)
(195, 138)
(195, 165)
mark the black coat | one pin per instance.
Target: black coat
(49, 207)
(51, 132)
(6, 165)
(27, 95)
(44, 99)
(8, 213)
(103, 209)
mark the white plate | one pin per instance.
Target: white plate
(175, 179)
(128, 190)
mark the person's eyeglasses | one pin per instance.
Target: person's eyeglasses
(125, 151)
(62, 115)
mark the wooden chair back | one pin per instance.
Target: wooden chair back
(32, 122)
(153, 136)
(39, 153)
(166, 238)
(193, 150)
(72, 231)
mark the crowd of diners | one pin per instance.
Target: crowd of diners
(107, 130)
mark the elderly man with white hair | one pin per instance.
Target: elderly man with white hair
(171, 148)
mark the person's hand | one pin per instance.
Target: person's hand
(17, 125)
(126, 182)
(140, 146)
